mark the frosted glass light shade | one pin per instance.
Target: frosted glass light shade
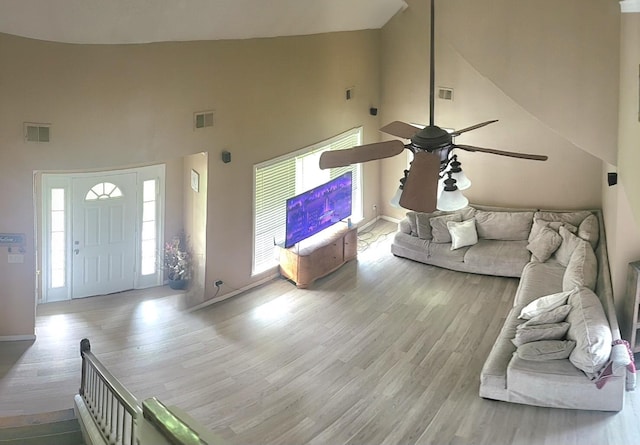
(454, 200)
(462, 182)
(395, 200)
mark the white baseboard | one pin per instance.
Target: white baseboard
(390, 219)
(17, 338)
(234, 292)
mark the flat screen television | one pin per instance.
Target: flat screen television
(314, 210)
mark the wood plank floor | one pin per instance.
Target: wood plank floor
(383, 351)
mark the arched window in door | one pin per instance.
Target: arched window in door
(103, 190)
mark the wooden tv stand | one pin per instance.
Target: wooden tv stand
(319, 255)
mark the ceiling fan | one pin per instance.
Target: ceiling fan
(430, 182)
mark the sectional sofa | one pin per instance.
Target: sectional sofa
(560, 344)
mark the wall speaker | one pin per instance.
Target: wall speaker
(612, 179)
(226, 157)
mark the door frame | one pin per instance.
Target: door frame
(53, 180)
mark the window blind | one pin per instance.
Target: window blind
(279, 179)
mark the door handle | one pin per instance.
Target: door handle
(76, 251)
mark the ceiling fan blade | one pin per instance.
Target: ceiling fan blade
(361, 153)
(473, 127)
(400, 129)
(420, 190)
(503, 153)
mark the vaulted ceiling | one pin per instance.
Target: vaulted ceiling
(143, 21)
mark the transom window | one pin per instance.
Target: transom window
(104, 190)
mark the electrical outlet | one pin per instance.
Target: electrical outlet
(375, 207)
(218, 283)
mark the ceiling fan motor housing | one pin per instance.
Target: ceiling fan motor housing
(433, 139)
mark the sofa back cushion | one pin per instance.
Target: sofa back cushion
(539, 224)
(589, 230)
(439, 230)
(568, 245)
(571, 217)
(505, 226)
(590, 330)
(423, 220)
(582, 269)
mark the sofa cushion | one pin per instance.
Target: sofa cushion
(555, 315)
(539, 279)
(546, 350)
(539, 224)
(544, 304)
(552, 331)
(544, 244)
(423, 225)
(439, 230)
(589, 230)
(568, 245)
(462, 233)
(502, 258)
(582, 269)
(505, 226)
(413, 225)
(571, 217)
(590, 330)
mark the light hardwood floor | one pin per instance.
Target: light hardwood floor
(383, 351)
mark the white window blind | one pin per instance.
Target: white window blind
(279, 179)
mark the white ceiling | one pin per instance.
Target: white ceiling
(143, 21)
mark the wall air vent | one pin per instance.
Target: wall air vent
(203, 119)
(37, 132)
(445, 93)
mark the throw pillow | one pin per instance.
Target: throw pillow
(590, 330)
(582, 269)
(539, 224)
(588, 230)
(462, 233)
(553, 316)
(506, 226)
(423, 225)
(411, 217)
(439, 230)
(554, 331)
(569, 243)
(546, 350)
(544, 304)
(543, 245)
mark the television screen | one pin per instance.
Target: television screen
(312, 211)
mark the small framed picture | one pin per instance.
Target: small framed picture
(195, 181)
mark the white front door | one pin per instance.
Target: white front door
(103, 234)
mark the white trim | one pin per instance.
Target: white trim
(17, 338)
(235, 292)
(390, 219)
(627, 6)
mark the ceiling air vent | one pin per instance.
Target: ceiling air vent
(203, 119)
(445, 93)
(37, 132)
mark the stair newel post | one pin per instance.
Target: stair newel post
(85, 346)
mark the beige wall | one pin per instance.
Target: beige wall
(113, 106)
(195, 222)
(538, 67)
(622, 202)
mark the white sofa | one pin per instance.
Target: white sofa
(578, 266)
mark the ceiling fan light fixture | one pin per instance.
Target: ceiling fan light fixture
(452, 200)
(395, 200)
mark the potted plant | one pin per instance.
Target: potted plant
(177, 262)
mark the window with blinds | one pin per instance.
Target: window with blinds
(279, 179)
